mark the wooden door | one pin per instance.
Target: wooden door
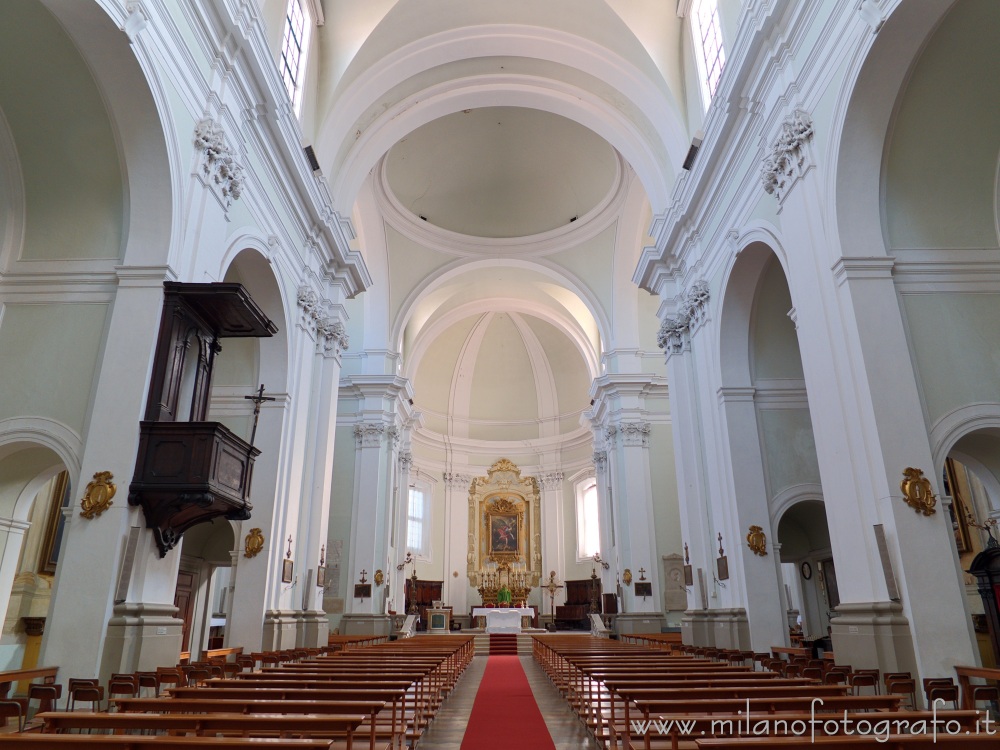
(184, 601)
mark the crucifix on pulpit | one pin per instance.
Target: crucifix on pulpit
(552, 587)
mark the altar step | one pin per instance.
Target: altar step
(503, 643)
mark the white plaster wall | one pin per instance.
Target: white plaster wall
(48, 359)
(955, 348)
(789, 448)
(66, 146)
(775, 348)
(940, 176)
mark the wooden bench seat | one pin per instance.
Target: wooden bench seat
(682, 733)
(327, 726)
(382, 719)
(163, 742)
(893, 742)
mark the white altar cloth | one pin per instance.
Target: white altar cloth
(503, 620)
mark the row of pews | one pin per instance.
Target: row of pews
(650, 696)
(381, 696)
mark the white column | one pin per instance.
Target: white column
(371, 517)
(869, 426)
(257, 580)
(636, 547)
(551, 486)
(77, 629)
(458, 591)
(695, 510)
(314, 515)
(758, 579)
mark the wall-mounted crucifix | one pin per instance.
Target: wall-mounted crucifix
(258, 398)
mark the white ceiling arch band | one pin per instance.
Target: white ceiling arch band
(460, 393)
(463, 266)
(546, 394)
(565, 323)
(559, 98)
(655, 104)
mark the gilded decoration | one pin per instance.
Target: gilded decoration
(917, 491)
(253, 543)
(757, 541)
(379, 577)
(97, 497)
(504, 532)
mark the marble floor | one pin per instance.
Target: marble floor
(448, 728)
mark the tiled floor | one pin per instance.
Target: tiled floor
(448, 728)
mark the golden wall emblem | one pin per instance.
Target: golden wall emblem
(379, 577)
(917, 491)
(97, 497)
(254, 543)
(757, 541)
(627, 577)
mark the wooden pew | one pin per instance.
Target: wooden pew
(202, 700)
(7, 679)
(209, 725)
(228, 654)
(791, 725)
(140, 742)
(893, 742)
(965, 675)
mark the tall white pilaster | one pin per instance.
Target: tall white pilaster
(550, 485)
(76, 637)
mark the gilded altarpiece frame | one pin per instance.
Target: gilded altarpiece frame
(505, 521)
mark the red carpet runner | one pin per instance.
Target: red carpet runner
(505, 714)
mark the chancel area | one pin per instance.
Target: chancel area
(471, 345)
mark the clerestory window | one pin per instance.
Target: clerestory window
(294, 46)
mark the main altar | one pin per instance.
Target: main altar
(505, 619)
(505, 541)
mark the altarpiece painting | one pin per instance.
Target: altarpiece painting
(504, 522)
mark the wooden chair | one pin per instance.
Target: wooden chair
(836, 677)
(149, 680)
(12, 709)
(245, 663)
(873, 672)
(940, 689)
(75, 682)
(169, 676)
(126, 685)
(92, 694)
(863, 679)
(813, 673)
(47, 696)
(197, 676)
(902, 686)
(988, 693)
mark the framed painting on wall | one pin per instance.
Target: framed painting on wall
(504, 537)
(58, 498)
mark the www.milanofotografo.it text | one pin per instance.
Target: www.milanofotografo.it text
(879, 727)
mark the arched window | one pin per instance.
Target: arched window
(710, 53)
(588, 529)
(418, 521)
(294, 46)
